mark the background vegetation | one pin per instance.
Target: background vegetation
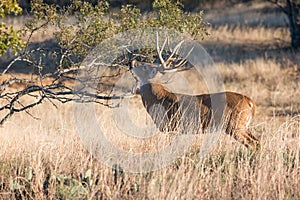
(10, 38)
(42, 156)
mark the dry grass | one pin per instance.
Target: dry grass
(45, 158)
(51, 150)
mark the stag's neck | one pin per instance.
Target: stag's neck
(143, 83)
(154, 90)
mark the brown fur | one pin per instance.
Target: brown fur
(192, 113)
(239, 111)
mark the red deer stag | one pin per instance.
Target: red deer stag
(238, 110)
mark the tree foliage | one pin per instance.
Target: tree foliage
(9, 37)
(91, 23)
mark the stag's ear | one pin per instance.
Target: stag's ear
(160, 68)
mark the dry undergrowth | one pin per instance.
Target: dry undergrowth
(45, 158)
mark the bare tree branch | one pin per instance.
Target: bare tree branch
(56, 86)
(281, 6)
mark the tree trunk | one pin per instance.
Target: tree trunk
(293, 13)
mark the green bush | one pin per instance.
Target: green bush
(9, 37)
(81, 26)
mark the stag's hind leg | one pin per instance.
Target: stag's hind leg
(246, 137)
(238, 127)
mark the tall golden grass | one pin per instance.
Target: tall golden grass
(44, 158)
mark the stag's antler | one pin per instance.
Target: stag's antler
(170, 64)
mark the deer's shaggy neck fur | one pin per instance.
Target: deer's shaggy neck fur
(153, 92)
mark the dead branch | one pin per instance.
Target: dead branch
(56, 86)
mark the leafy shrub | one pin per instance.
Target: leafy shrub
(81, 26)
(9, 37)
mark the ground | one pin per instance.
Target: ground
(249, 44)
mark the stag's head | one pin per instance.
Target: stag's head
(144, 71)
(148, 71)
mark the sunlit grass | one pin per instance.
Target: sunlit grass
(45, 158)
